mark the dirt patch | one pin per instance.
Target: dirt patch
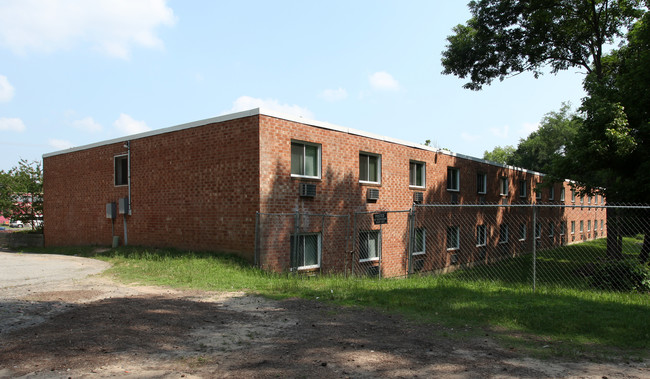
(98, 328)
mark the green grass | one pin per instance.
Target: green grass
(567, 319)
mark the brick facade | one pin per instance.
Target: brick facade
(199, 186)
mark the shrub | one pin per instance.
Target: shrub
(625, 275)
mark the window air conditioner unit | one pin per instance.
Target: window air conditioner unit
(418, 197)
(307, 190)
(372, 194)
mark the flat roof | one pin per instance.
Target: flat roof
(289, 117)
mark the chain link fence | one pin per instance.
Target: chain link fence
(519, 244)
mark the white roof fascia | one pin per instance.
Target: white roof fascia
(288, 117)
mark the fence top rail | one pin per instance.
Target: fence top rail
(534, 205)
(373, 212)
(301, 214)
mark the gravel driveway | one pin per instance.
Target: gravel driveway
(59, 320)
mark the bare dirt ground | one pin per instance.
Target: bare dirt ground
(94, 328)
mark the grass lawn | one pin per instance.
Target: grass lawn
(565, 319)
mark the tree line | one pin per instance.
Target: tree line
(21, 193)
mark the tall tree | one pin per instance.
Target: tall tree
(21, 192)
(503, 155)
(508, 37)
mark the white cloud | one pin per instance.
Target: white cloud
(87, 124)
(501, 132)
(383, 81)
(113, 27)
(59, 144)
(244, 103)
(334, 94)
(12, 124)
(6, 89)
(528, 128)
(127, 125)
(469, 137)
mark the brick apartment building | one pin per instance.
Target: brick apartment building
(201, 185)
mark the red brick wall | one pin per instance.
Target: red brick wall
(195, 188)
(340, 192)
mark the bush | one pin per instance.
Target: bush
(626, 275)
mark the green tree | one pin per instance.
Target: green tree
(508, 37)
(543, 147)
(502, 155)
(21, 192)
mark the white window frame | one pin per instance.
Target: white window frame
(522, 232)
(423, 235)
(504, 228)
(318, 159)
(523, 189)
(551, 229)
(582, 226)
(413, 174)
(455, 178)
(481, 180)
(588, 226)
(368, 232)
(573, 196)
(115, 169)
(562, 196)
(562, 227)
(481, 235)
(573, 227)
(456, 230)
(318, 246)
(503, 186)
(551, 193)
(538, 230)
(366, 155)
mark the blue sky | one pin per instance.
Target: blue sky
(74, 72)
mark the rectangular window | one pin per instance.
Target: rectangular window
(538, 193)
(369, 168)
(551, 229)
(538, 230)
(453, 237)
(573, 196)
(417, 174)
(602, 199)
(481, 183)
(589, 225)
(582, 199)
(305, 250)
(453, 179)
(551, 193)
(369, 245)
(522, 188)
(121, 167)
(419, 242)
(601, 225)
(503, 186)
(589, 199)
(562, 227)
(522, 232)
(503, 233)
(481, 235)
(582, 226)
(573, 227)
(305, 160)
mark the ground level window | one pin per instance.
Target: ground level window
(369, 245)
(551, 229)
(481, 235)
(562, 227)
(522, 232)
(419, 241)
(121, 165)
(573, 227)
(538, 230)
(305, 250)
(453, 237)
(503, 233)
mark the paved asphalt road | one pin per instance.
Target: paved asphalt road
(24, 269)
